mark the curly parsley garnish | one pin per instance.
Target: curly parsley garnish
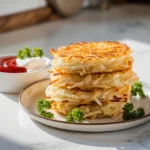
(27, 53)
(38, 52)
(42, 105)
(129, 112)
(137, 89)
(76, 115)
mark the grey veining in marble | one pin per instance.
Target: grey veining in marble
(19, 132)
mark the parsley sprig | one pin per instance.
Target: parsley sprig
(137, 89)
(27, 53)
(76, 115)
(129, 112)
(42, 105)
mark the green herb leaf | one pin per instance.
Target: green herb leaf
(47, 114)
(128, 107)
(129, 112)
(76, 115)
(140, 112)
(42, 105)
(27, 53)
(69, 118)
(137, 89)
(20, 54)
(38, 52)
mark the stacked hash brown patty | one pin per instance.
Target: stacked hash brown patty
(93, 76)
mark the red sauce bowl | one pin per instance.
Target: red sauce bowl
(8, 64)
(13, 79)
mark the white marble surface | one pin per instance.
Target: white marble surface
(19, 132)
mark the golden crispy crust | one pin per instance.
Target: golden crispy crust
(92, 57)
(92, 50)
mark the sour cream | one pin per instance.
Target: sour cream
(33, 63)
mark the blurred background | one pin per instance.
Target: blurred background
(51, 23)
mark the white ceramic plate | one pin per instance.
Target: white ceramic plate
(30, 95)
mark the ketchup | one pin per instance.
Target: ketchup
(8, 64)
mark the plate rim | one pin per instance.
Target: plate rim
(64, 122)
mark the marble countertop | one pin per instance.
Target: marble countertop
(129, 23)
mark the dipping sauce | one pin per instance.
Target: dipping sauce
(33, 63)
(27, 60)
(8, 64)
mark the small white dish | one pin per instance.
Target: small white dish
(16, 82)
(30, 95)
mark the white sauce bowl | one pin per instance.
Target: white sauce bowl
(16, 82)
